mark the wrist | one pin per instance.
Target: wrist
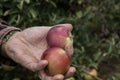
(5, 33)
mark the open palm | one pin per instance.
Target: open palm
(26, 48)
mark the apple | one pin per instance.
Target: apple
(59, 36)
(58, 61)
(92, 73)
(71, 78)
(7, 67)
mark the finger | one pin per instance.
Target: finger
(58, 77)
(44, 76)
(70, 72)
(42, 64)
(69, 48)
(37, 66)
(67, 25)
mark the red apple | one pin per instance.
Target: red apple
(59, 36)
(58, 61)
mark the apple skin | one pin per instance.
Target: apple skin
(92, 72)
(59, 36)
(58, 61)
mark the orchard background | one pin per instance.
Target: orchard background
(96, 31)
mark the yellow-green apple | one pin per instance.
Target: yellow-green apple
(71, 78)
(59, 36)
(58, 61)
(90, 74)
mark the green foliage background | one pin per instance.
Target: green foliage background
(96, 30)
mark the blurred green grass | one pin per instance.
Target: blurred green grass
(96, 31)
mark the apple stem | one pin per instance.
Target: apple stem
(83, 69)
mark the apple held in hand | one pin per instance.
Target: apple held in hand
(59, 36)
(58, 61)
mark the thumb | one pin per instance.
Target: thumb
(67, 25)
(38, 66)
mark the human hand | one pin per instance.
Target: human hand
(26, 48)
